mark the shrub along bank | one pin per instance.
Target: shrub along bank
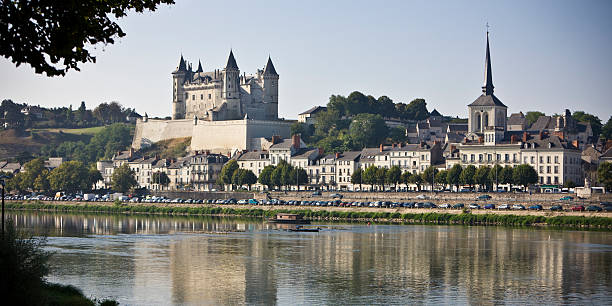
(465, 218)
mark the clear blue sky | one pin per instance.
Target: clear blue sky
(546, 55)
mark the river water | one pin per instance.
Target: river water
(150, 260)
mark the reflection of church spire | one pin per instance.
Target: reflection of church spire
(487, 89)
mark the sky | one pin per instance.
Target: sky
(546, 55)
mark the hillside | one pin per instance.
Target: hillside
(14, 142)
(171, 148)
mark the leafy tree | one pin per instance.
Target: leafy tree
(248, 178)
(276, 178)
(495, 175)
(265, 177)
(70, 176)
(482, 177)
(416, 179)
(33, 169)
(429, 175)
(524, 175)
(381, 176)
(532, 117)
(506, 175)
(160, 178)
(356, 177)
(406, 178)
(368, 130)
(225, 177)
(236, 179)
(369, 176)
(300, 175)
(441, 177)
(304, 129)
(41, 183)
(453, 176)
(604, 175)
(606, 130)
(467, 175)
(415, 110)
(589, 118)
(55, 37)
(123, 178)
(569, 184)
(398, 134)
(394, 176)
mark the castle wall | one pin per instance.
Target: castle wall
(153, 131)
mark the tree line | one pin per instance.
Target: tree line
(484, 177)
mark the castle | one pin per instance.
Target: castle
(224, 94)
(221, 110)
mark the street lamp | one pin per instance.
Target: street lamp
(3, 183)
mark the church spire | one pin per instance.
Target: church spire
(487, 89)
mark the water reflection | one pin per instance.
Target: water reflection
(182, 260)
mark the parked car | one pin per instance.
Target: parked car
(458, 206)
(336, 195)
(444, 205)
(578, 208)
(556, 208)
(421, 197)
(504, 206)
(253, 202)
(593, 208)
(316, 193)
(536, 207)
(566, 198)
(518, 207)
(483, 197)
(429, 205)
(474, 206)
(489, 206)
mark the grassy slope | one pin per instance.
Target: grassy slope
(170, 148)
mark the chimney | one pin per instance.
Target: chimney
(131, 152)
(399, 145)
(320, 151)
(382, 147)
(525, 136)
(275, 139)
(513, 139)
(541, 135)
(337, 155)
(207, 152)
(295, 141)
(393, 145)
(480, 139)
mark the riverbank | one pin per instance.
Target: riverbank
(574, 220)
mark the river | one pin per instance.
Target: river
(159, 260)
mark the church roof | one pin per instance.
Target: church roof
(231, 62)
(487, 100)
(435, 113)
(314, 109)
(269, 70)
(517, 119)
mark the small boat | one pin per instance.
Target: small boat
(301, 229)
(289, 219)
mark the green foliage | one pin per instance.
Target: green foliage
(123, 178)
(441, 177)
(398, 134)
(524, 175)
(244, 177)
(369, 176)
(368, 130)
(606, 130)
(495, 175)
(589, 118)
(304, 129)
(265, 177)
(481, 177)
(394, 176)
(71, 176)
(160, 178)
(55, 38)
(429, 175)
(35, 177)
(24, 264)
(454, 175)
(357, 177)
(604, 175)
(467, 175)
(381, 176)
(506, 175)
(225, 177)
(532, 117)
(416, 179)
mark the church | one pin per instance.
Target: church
(224, 94)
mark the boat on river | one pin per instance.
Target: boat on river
(304, 229)
(289, 219)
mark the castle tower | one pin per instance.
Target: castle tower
(270, 90)
(178, 95)
(231, 88)
(487, 112)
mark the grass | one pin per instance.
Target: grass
(82, 131)
(170, 148)
(576, 222)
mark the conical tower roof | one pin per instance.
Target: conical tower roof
(199, 67)
(269, 70)
(231, 62)
(487, 89)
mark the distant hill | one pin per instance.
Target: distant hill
(13, 142)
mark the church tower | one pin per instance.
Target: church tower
(487, 112)
(231, 89)
(178, 94)
(270, 90)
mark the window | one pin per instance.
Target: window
(556, 169)
(548, 169)
(506, 157)
(548, 159)
(209, 96)
(532, 160)
(192, 97)
(541, 169)
(556, 159)
(201, 96)
(541, 160)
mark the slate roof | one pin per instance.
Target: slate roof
(349, 155)
(304, 153)
(435, 113)
(260, 155)
(269, 70)
(314, 110)
(487, 100)
(542, 123)
(455, 137)
(555, 141)
(458, 127)
(231, 62)
(517, 119)
(607, 155)
(284, 144)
